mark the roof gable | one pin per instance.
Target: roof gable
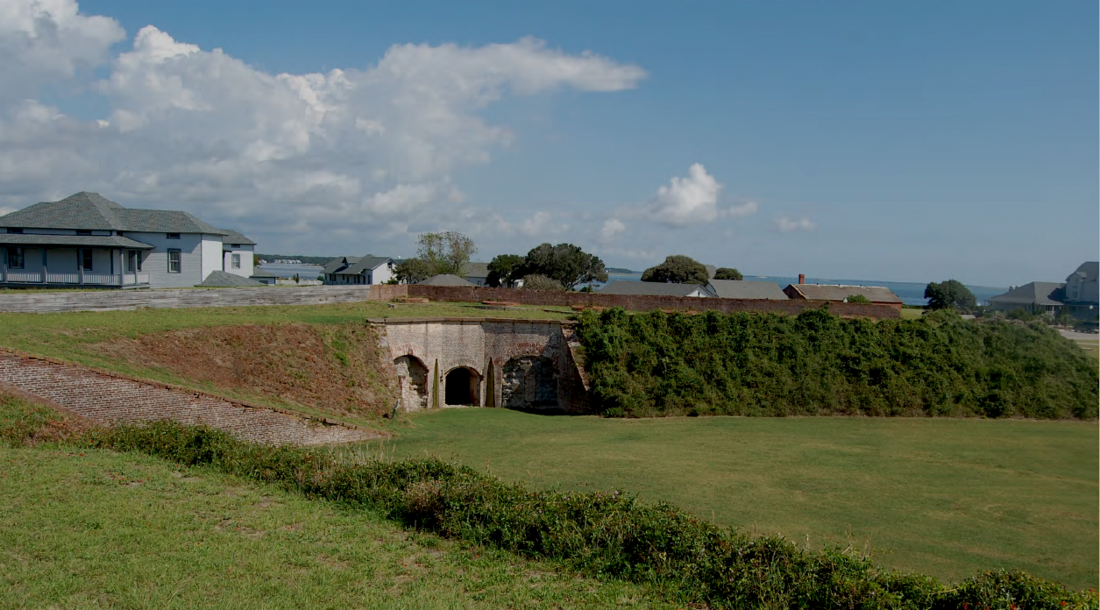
(445, 279)
(1034, 293)
(365, 263)
(741, 289)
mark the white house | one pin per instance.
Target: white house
(359, 270)
(88, 240)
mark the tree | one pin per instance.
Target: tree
(728, 273)
(437, 253)
(677, 269)
(541, 282)
(857, 298)
(565, 263)
(949, 295)
(446, 252)
(504, 270)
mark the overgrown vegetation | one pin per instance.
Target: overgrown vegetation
(816, 363)
(602, 533)
(25, 423)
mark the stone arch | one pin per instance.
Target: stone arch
(412, 379)
(529, 382)
(462, 387)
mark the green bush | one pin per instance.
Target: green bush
(607, 534)
(819, 364)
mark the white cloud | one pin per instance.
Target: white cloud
(46, 40)
(611, 226)
(372, 150)
(684, 201)
(787, 224)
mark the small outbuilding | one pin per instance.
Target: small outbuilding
(445, 279)
(879, 295)
(741, 289)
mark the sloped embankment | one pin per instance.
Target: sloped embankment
(819, 364)
(335, 369)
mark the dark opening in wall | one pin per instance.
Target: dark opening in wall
(462, 386)
(529, 382)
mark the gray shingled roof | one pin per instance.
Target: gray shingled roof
(445, 279)
(337, 264)
(836, 292)
(1035, 293)
(76, 241)
(651, 289)
(222, 279)
(93, 212)
(476, 270)
(364, 263)
(235, 237)
(1088, 271)
(740, 289)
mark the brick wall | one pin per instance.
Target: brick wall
(639, 302)
(108, 398)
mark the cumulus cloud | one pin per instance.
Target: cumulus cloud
(372, 149)
(684, 201)
(47, 40)
(788, 224)
(611, 227)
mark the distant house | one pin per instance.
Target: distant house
(445, 279)
(878, 295)
(264, 277)
(1034, 297)
(89, 240)
(740, 289)
(656, 289)
(365, 270)
(1082, 297)
(476, 273)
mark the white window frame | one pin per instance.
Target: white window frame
(178, 262)
(235, 261)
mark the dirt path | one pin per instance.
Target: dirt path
(106, 398)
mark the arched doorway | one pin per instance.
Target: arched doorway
(529, 382)
(462, 387)
(412, 378)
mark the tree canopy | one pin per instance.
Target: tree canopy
(566, 263)
(445, 252)
(728, 273)
(541, 282)
(505, 270)
(949, 295)
(677, 269)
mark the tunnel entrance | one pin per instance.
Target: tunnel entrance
(462, 386)
(529, 382)
(412, 378)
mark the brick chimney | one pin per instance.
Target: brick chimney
(801, 278)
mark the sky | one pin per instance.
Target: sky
(897, 141)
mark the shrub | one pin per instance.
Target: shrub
(816, 363)
(599, 533)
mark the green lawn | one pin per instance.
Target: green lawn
(946, 497)
(96, 529)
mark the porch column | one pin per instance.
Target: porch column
(45, 269)
(4, 264)
(80, 264)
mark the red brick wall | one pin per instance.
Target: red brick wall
(640, 303)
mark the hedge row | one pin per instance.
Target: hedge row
(601, 533)
(819, 364)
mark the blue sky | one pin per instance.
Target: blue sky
(896, 141)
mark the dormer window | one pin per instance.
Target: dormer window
(18, 230)
(234, 245)
(172, 235)
(83, 232)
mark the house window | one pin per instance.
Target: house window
(236, 261)
(83, 232)
(86, 259)
(174, 261)
(15, 258)
(15, 230)
(172, 235)
(133, 261)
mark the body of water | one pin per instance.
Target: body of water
(305, 272)
(911, 293)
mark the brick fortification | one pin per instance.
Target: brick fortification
(631, 302)
(108, 398)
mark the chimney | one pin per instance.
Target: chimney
(801, 278)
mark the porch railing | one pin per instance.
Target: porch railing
(74, 279)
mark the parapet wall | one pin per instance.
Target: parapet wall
(630, 302)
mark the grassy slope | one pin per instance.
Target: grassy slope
(77, 336)
(945, 497)
(97, 529)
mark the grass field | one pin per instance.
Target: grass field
(89, 529)
(946, 497)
